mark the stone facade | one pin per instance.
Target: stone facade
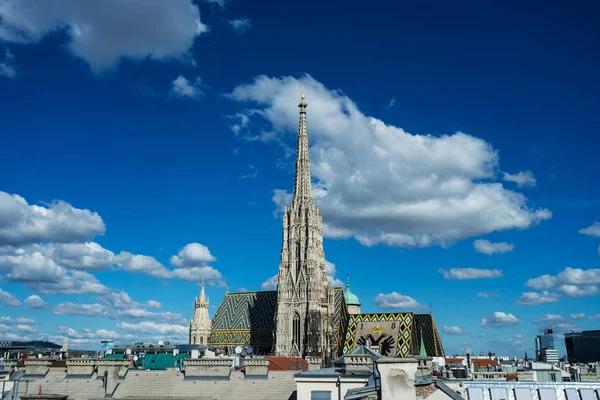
(200, 324)
(305, 301)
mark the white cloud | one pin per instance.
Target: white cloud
(240, 25)
(270, 284)
(470, 273)
(592, 230)
(487, 247)
(594, 317)
(572, 282)
(90, 310)
(518, 336)
(251, 175)
(154, 304)
(35, 301)
(557, 323)
(486, 295)
(578, 316)
(8, 299)
(196, 274)
(19, 320)
(102, 33)
(499, 319)
(330, 271)
(58, 222)
(397, 301)
(454, 330)
(523, 178)
(26, 329)
(218, 2)
(192, 255)
(380, 184)
(182, 87)
(142, 264)
(7, 66)
(148, 327)
(541, 282)
(88, 256)
(535, 299)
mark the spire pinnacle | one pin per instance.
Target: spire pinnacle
(302, 185)
(347, 282)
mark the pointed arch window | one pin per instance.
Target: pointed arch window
(201, 340)
(296, 330)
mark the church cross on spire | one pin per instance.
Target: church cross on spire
(302, 186)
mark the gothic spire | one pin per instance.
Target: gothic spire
(202, 294)
(302, 189)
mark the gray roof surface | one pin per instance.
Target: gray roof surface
(279, 385)
(56, 382)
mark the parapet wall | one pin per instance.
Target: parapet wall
(207, 368)
(81, 367)
(257, 367)
(37, 366)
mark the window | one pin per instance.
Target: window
(201, 340)
(320, 395)
(296, 330)
(194, 340)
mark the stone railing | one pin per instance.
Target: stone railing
(81, 367)
(256, 367)
(357, 362)
(314, 362)
(207, 368)
(9, 365)
(37, 366)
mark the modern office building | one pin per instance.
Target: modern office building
(583, 347)
(543, 342)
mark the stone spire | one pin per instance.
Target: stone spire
(302, 187)
(304, 298)
(200, 324)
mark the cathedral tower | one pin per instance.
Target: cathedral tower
(200, 324)
(304, 298)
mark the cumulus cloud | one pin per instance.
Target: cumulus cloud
(535, 299)
(558, 323)
(270, 284)
(102, 33)
(397, 301)
(142, 264)
(592, 230)
(8, 299)
(192, 255)
(148, 327)
(240, 25)
(487, 247)
(19, 320)
(470, 273)
(90, 310)
(183, 87)
(197, 274)
(486, 295)
(454, 330)
(330, 271)
(58, 222)
(499, 319)
(523, 178)
(35, 301)
(380, 184)
(7, 65)
(154, 304)
(518, 336)
(578, 316)
(572, 282)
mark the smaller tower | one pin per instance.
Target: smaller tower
(351, 299)
(200, 324)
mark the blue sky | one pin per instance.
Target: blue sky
(453, 154)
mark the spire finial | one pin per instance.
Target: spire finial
(302, 97)
(226, 289)
(347, 281)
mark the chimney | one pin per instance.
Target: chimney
(397, 378)
(111, 379)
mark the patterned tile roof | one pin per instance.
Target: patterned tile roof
(433, 344)
(252, 310)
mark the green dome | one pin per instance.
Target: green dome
(351, 298)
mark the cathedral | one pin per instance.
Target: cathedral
(306, 316)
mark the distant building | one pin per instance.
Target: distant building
(583, 347)
(200, 324)
(543, 343)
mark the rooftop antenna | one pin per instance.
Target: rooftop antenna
(430, 308)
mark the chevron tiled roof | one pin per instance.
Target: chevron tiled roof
(251, 310)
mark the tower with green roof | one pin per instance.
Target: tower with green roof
(351, 299)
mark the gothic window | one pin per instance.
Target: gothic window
(194, 340)
(201, 340)
(296, 329)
